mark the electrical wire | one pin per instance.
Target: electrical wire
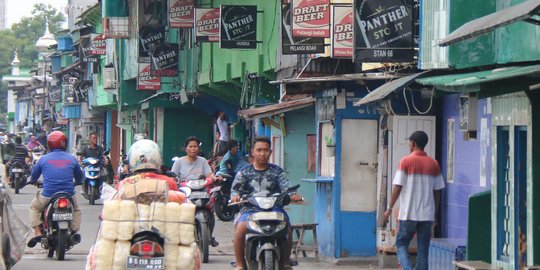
(406, 103)
(430, 102)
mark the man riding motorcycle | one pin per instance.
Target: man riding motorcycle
(59, 168)
(21, 154)
(259, 176)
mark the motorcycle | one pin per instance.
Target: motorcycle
(267, 230)
(37, 152)
(146, 250)
(199, 191)
(57, 235)
(94, 173)
(222, 197)
(18, 174)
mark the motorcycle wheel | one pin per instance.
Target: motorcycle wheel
(224, 211)
(61, 245)
(92, 196)
(268, 261)
(202, 238)
(16, 180)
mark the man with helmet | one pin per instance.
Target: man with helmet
(145, 162)
(59, 168)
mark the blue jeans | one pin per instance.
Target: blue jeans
(407, 229)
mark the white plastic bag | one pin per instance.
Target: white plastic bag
(107, 192)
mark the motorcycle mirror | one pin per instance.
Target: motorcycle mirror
(293, 188)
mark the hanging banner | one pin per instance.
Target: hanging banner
(181, 13)
(164, 60)
(98, 46)
(296, 45)
(207, 24)
(150, 37)
(311, 18)
(85, 47)
(145, 81)
(383, 31)
(342, 32)
(238, 27)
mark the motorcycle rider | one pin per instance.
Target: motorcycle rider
(33, 143)
(232, 161)
(21, 154)
(95, 151)
(193, 165)
(59, 168)
(259, 176)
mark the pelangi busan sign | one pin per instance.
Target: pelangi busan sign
(383, 31)
(311, 18)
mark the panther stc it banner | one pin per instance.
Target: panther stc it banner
(383, 31)
(238, 27)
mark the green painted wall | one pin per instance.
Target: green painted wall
(503, 45)
(180, 124)
(299, 124)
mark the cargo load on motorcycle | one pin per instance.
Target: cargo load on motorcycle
(145, 226)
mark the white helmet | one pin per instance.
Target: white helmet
(144, 155)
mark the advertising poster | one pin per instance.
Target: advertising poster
(207, 24)
(181, 13)
(296, 45)
(383, 31)
(145, 81)
(238, 27)
(342, 32)
(150, 37)
(98, 46)
(86, 46)
(164, 60)
(311, 18)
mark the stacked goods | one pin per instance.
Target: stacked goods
(141, 205)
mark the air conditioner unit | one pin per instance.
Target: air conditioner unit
(109, 77)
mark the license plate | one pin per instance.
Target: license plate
(17, 170)
(137, 263)
(62, 217)
(199, 195)
(268, 216)
(93, 169)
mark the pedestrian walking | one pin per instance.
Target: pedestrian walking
(417, 184)
(224, 134)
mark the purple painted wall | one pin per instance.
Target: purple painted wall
(467, 163)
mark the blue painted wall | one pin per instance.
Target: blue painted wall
(467, 159)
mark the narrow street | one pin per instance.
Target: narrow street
(220, 257)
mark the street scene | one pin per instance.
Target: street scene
(269, 135)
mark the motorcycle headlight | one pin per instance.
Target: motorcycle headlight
(254, 226)
(281, 226)
(266, 202)
(196, 184)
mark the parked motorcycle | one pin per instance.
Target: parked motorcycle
(199, 191)
(267, 230)
(57, 235)
(222, 197)
(94, 173)
(18, 174)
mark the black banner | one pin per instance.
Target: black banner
(81, 90)
(296, 45)
(86, 47)
(383, 31)
(164, 60)
(238, 27)
(149, 38)
(55, 93)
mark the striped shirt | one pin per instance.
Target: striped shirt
(419, 175)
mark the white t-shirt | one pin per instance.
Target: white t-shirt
(418, 175)
(223, 127)
(183, 168)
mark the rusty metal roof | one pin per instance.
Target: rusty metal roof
(387, 88)
(520, 12)
(269, 110)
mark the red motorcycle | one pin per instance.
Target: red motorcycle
(201, 192)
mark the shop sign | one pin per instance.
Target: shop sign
(181, 13)
(81, 90)
(164, 60)
(207, 24)
(55, 93)
(383, 31)
(150, 37)
(86, 46)
(145, 81)
(238, 27)
(98, 46)
(296, 45)
(311, 18)
(342, 32)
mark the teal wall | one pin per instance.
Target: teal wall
(180, 124)
(512, 43)
(299, 124)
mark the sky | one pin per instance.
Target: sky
(15, 10)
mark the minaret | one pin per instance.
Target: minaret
(15, 65)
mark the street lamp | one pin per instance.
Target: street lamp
(43, 45)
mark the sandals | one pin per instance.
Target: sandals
(33, 242)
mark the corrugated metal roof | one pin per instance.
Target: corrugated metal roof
(265, 111)
(519, 12)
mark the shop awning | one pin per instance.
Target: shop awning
(266, 111)
(387, 88)
(520, 12)
(490, 80)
